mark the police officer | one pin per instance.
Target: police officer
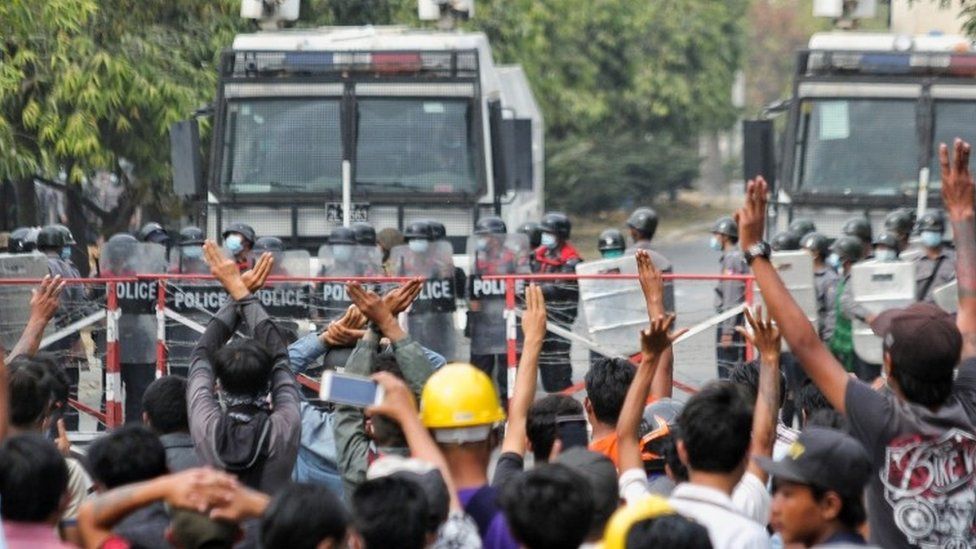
(786, 241)
(532, 230)
(937, 265)
(825, 282)
(859, 227)
(802, 226)
(886, 247)
(557, 255)
(23, 240)
(844, 253)
(486, 323)
(343, 243)
(154, 232)
(642, 225)
(431, 319)
(900, 223)
(187, 259)
(239, 239)
(729, 294)
(611, 244)
(189, 256)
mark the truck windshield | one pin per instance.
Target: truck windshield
(952, 119)
(857, 146)
(282, 145)
(423, 145)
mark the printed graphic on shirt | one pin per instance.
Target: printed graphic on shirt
(929, 483)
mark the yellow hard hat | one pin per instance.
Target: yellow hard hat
(619, 525)
(459, 395)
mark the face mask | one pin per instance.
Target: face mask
(833, 260)
(931, 239)
(715, 243)
(548, 240)
(193, 252)
(481, 244)
(418, 246)
(234, 243)
(612, 254)
(66, 253)
(342, 252)
(885, 254)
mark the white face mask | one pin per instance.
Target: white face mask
(342, 252)
(931, 239)
(482, 244)
(234, 243)
(833, 260)
(715, 243)
(549, 240)
(418, 246)
(885, 254)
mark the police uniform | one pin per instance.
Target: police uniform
(562, 302)
(851, 310)
(485, 326)
(932, 273)
(729, 294)
(662, 264)
(825, 282)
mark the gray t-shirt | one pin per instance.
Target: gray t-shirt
(924, 491)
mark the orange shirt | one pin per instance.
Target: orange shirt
(608, 447)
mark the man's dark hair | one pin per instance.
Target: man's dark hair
(716, 426)
(387, 432)
(747, 376)
(606, 386)
(243, 367)
(921, 391)
(165, 404)
(33, 478)
(672, 531)
(540, 423)
(390, 512)
(828, 418)
(29, 399)
(549, 507)
(852, 512)
(810, 399)
(128, 454)
(54, 378)
(670, 452)
(301, 516)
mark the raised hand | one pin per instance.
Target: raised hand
(225, 270)
(658, 337)
(400, 298)
(197, 489)
(256, 277)
(46, 298)
(534, 317)
(371, 305)
(751, 217)
(340, 335)
(651, 283)
(765, 335)
(957, 181)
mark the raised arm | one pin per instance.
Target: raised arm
(802, 338)
(534, 328)
(652, 285)
(957, 196)
(44, 303)
(765, 336)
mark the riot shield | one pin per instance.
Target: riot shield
(492, 254)
(947, 296)
(795, 269)
(431, 318)
(878, 287)
(184, 264)
(331, 299)
(137, 300)
(287, 300)
(15, 299)
(614, 309)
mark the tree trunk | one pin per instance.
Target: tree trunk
(27, 214)
(79, 226)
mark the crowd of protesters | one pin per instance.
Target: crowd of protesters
(232, 455)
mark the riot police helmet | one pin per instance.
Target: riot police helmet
(931, 220)
(342, 235)
(785, 241)
(858, 227)
(419, 230)
(816, 243)
(365, 233)
(644, 221)
(23, 240)
(726, 226)
(886, 239)
(69, 238)
(438, 230)
(532, 230)
(900, 222)
(269, 244)
(153, 232)
(848, 248)
(556, 223)
(611, 239)
(123, 238)
(242, 229)
(490, 225)
(51, 237)
(802, 226)
(190, 236)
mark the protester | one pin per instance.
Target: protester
(548, 507)
(601, 475)
(541, 422)
(606, 387)
(305, 516)
(33, 481)
(652, 523)
(164, 412)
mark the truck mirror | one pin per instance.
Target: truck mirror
(758, 153)
(499, 148)
(520, 167)
(184, 142)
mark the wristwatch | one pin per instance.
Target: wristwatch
(759, 249)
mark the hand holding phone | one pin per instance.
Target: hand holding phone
(350, 390)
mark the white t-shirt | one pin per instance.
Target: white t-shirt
(728, 527)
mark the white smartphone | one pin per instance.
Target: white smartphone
(350, 390)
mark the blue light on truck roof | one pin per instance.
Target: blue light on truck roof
(890, 63)
(307, 59)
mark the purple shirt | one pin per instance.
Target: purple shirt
(32, 535)
(498, 535)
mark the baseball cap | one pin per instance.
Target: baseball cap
(601, 475)
(824, 458)
(424, 474)
(921, 339)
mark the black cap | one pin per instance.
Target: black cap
(611, 239)
(825, 458)
(726, 226)
(490, 225)
(556, 223)
(191, 235)
(921, 339)
(644, 221)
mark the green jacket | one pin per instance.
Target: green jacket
(352, 443)
(842, 341)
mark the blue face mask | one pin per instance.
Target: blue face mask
(192, 252)
(612, 254)
(931, 239)
(715, 243)
(885, 254)
(481, 244)
(549, 240)
(66, 253)
(833, 260)
(342, 252)
(418, 246)
(234, 243)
